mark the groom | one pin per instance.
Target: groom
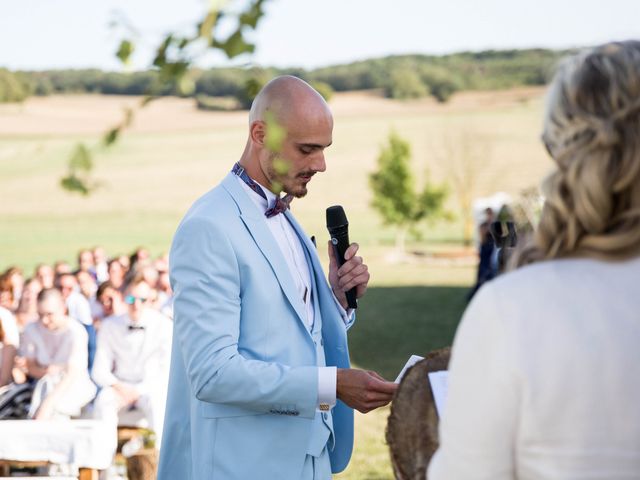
(260, 384)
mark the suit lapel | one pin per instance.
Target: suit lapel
(324, 291)
(255, 223)
(333, 331)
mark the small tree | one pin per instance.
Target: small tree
(11, 88)
(394, 193)
(405, 84)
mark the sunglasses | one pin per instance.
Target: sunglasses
(130, 299)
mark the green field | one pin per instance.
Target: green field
(174, 153)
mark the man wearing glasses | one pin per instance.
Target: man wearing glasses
(132, 363)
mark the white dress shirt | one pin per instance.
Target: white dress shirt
(292, 250)
(79, 308)
(138, 356)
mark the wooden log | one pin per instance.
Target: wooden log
(88, 474)
(412, 427)
(143, 465)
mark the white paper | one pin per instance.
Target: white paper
(439, 387)
(410, 363)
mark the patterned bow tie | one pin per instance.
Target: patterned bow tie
(280, 206)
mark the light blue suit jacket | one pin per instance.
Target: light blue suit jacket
(243, 386)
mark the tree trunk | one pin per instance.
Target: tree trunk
(401, 237)
(143, 465)
(412, 427)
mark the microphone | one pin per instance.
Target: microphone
(338, 227)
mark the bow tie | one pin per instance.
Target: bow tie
(280, 206)
(136, 327)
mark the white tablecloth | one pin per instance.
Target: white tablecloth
(82, 443)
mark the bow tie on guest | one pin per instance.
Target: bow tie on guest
(136, 327)
(281, 204)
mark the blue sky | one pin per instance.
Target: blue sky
(41, 34)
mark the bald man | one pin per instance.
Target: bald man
(260, 384)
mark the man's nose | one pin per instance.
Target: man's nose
(319, 164)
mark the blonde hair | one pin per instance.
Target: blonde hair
(592, 131)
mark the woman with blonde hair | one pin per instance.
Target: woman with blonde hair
(545, 372)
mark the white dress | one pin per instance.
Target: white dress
(545, 377)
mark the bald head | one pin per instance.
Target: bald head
(287, 98)
(302, 127)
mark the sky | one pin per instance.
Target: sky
(47, 34)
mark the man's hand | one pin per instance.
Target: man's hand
(354, 273)
(363, 390)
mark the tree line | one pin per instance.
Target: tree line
(398, 76)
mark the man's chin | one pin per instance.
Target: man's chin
(298, 191)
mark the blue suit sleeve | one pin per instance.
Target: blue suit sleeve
(206, 281)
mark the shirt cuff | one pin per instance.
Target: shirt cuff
(327, 384)
(347, 315)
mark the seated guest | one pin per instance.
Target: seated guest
(7, 299)
(45, 275)
(116, 274)
(77, 305)
(28, 306)
(16, 280)
(132, 362)
(101, 266)
(110, 300)
(55, 348)
(62, 267)
(163, 285)
(9, 341)
(88, 288)
(86, 263)
(545, 364)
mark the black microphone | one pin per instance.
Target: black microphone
(338, 227)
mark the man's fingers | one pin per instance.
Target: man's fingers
(349, 265)
(354, 277)
(382, 386)
(351, 251)
(376, 374)
(359, 281)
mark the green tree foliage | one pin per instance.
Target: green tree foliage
(441, 76)
(405, 84)
(252, 85)
(394, 193)
(440, 82)
(12, 89)
(323, 89)
(172, 73)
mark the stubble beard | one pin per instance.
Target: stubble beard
(286, 183)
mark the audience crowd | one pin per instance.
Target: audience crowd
(87, 341)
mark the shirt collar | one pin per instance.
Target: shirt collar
(261, 203)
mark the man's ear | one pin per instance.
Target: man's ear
(258, 132)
